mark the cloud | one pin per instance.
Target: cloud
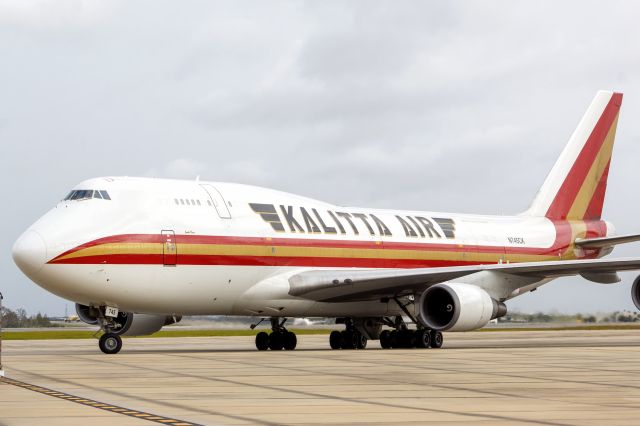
(180, 168)
(450, 106)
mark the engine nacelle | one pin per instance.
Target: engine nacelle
(458, 307)
(130, 324)
(127, 323)
(87, 314)
(635, 292)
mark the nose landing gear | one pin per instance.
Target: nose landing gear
(279, 338)
(110, 343)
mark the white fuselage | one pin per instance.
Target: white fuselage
(189, 247)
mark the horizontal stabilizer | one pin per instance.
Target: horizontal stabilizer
(602, 242)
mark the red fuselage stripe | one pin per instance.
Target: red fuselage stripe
(563, 241)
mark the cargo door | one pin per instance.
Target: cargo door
(217, 201)
(169, 248)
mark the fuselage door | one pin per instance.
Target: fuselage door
(169, 248)
(218, 201)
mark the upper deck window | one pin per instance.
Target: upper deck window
(85, 194)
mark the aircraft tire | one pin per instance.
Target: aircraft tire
(335, 340)
(404, 339)
(110, 343)
(290, 340)
(349, 340)
(361, 340)
(385, 339)
(393, 339)
(276, 341)
(436, 339)
(262, 341)
(422, 338)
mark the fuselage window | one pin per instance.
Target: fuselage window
(209, 202)
(182, 201)
(198, 201)
(176, 201)
(193, 203)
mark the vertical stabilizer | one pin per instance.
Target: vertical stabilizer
(576, 186)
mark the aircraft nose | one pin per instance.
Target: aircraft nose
(30, 252)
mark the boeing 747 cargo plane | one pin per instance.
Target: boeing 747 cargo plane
(136, 254)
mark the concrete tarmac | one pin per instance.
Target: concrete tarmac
(520, 377)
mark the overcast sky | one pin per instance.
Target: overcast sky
(445, 106)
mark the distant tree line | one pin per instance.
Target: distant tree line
(540, 317)
(20, 319)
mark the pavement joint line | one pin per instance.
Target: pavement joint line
(487, 416)
(96, 404)
(245, 419)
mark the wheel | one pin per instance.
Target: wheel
(276, 341)
(110, 343)
(290, 340)
(393, 339)
(436, 339)
(349, 340)
(361, 341)
(335, 339)
(405, 339)
(422, 338)
(385, 339)
(262, 341)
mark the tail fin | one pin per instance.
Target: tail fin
(577, 183)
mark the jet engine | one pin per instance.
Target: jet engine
(128, 323)
(635, 292)
(458, 307)
(87, 314)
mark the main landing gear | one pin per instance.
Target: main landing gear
(358, 331)
(403, 337)
(351, 338)
(279, 338)
(406, 338)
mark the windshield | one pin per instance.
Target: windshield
(85, 194)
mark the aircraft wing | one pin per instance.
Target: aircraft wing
(602, 242)
(342, 285)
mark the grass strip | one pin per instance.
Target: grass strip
(88, 334)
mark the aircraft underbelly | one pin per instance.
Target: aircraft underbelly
(192, 290)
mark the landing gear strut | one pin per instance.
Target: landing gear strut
(279, 338)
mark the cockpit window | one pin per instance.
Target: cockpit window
(85, 194)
